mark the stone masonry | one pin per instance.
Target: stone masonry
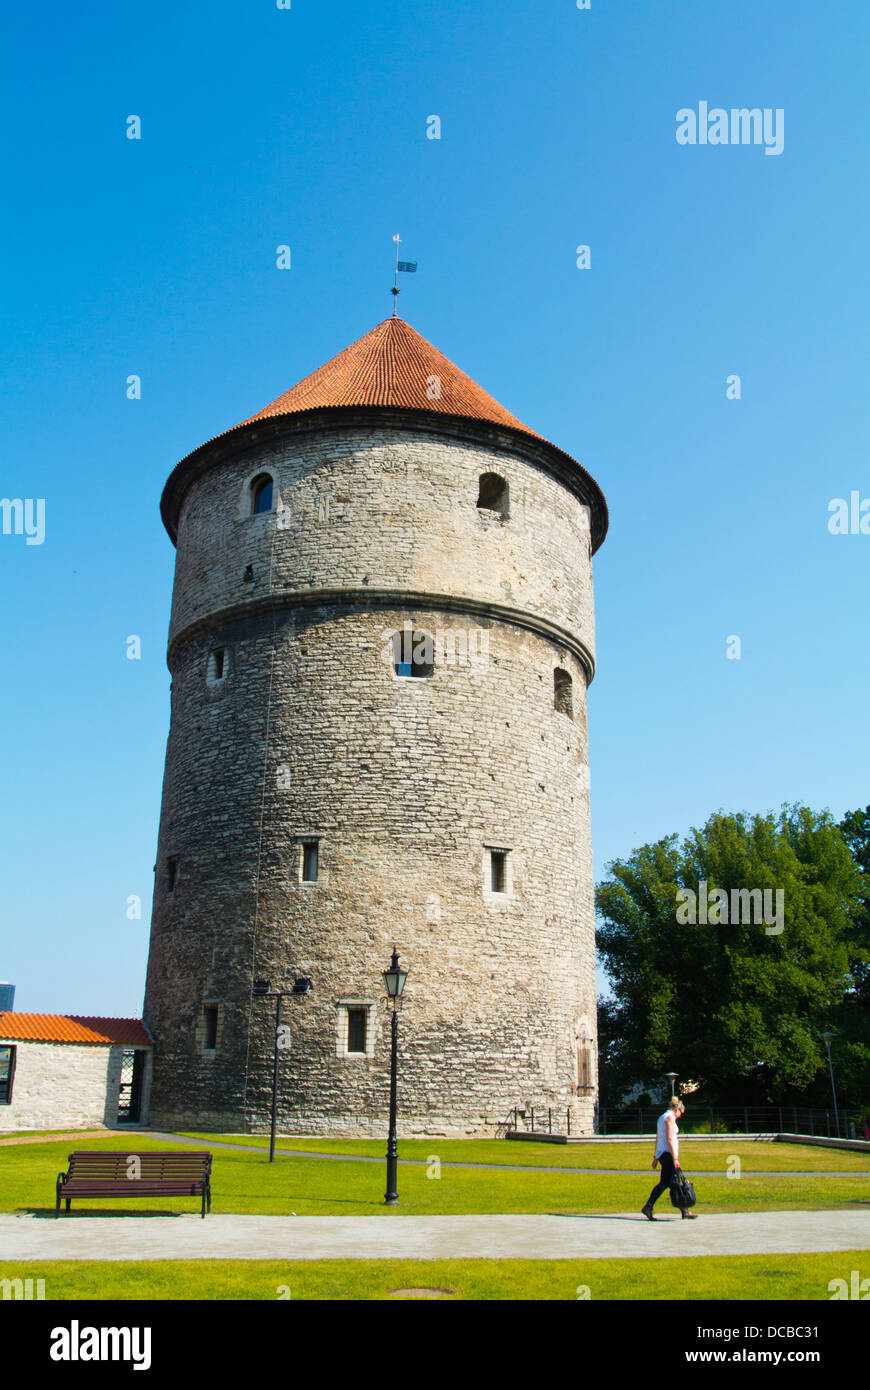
(289, 724)
(64, 1085)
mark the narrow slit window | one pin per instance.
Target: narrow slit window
(310, 857)
(498, 870)
(563, 701)
(217, 666)
(210, 1023)
(171, 873)
(357, 1021)
(261, 494)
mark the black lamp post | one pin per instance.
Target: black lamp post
(263, 990)
(394, 980)
(827, 1039)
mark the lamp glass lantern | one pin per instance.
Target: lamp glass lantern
(394, 979)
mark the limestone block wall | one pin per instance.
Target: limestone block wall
(406, 784)
(60, 1085)
(361, 508)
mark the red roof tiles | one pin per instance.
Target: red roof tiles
(74, 1028)
(392, 365)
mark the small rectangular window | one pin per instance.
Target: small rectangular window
(7, 1073)
(309, 861)
(171, 873)
(357, 1020)
(498, 870)
(210, 1021)
(219, 663)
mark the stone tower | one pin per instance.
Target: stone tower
(380, 644)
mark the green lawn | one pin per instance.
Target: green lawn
(789, 1277)
(244, 1181)
(707, 1157)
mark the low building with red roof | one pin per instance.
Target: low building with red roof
(72, 1071)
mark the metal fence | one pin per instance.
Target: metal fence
(698, 1119)
(739, 1119)
(535, 1119)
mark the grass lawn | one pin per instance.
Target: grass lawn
(725, 1277)
(246, 1182)
(708, 1157)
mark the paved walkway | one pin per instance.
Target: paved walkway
(58, 1138)
(186, 1141)
(392, 1235)
(499, 1167)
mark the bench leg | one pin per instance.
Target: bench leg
(57, 1204)
(68, 1201)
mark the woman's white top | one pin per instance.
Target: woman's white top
(662, 1146)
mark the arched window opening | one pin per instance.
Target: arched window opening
(494, 495)
(413, 653)
(261, 494)
(563, 702)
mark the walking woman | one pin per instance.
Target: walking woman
(668, 1155)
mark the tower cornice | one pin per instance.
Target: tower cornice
(368, 598)
(270, 430)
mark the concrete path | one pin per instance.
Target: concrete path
(394, 1236)
(59, 1138)
(185, 1141)
(498, 1167)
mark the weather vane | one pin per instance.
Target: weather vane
(409, 266)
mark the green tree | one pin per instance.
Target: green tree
(736, 1006)
(851, 1020)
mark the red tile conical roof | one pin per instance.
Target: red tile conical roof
(392, 365)
(394, 368)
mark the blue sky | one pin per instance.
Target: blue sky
(307, 127)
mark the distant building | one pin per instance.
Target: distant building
(60, 1070)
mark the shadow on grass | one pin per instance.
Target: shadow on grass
(44, 1213)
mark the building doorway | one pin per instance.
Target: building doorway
(130, 1090)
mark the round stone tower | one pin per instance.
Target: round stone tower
(380, 644)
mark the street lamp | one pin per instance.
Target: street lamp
(394, 980)
(262, 989)
(672, 1077)
(828, 1038)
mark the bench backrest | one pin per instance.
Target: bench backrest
(179, 1164)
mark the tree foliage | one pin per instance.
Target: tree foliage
(736, 1006)
(852, 1018)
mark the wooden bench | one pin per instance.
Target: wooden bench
(179, 1174)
